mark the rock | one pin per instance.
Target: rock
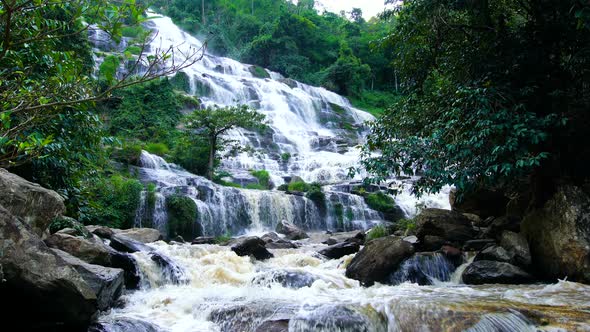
(494, 253)
(270, 237)
(39, 283)
(31, 203)
(453, 254)
(281, 244)
(424, 268)
(431, 243)
(518, 248)
(482, 202)
(501, 224)
(126, 244)
(107, 283)
(336, 318)
(251, 246)
(449, 225)
(250, 316)
(204, 240)
(101, 231)
(143, 235)
(477, 245)
(127, 263)
(340, 249)
(290, 231)
(413, 239)
(178, 239)
(124, 325)
(559, 236)
(290, 279)
(330, 241)
(475, 219)
(92, 251)
(490, 272)
(172, 272)
(518, 205)
(280, 325)
(378, 259)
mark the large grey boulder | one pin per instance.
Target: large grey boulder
(107, 283)
(491, 272)
(378, 259)
(287, 278)
(143, 235)
(31, 203)
(290, 231)
(91, 250)
(331, 317)
(39, 283)
(251, 246)
(559, 236)
(126, 244)
(451, 226)
(339, 250)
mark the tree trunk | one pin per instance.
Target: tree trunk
(211, 160)
(203, 12)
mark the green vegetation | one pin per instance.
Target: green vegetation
(406, 225)
(285, 157)
(381, 202)
(182, 216)
(263, 178)
(300, 186)
(377, 232)
(339, 213)
(223, 239)
(64, 222)
(259, 72)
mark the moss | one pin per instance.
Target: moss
(349, 214)
(259, 72)
(285, 157)
(62, 222)
(182, 215)
(263, 178)
(151, 196)
(381, 202)
(377, 232)
(256, 186)
(283, 187)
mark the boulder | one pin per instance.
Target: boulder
(378, 259)
(330, 241)
(340, 249)
(39, 283)
(127, 263)
(431, 243)
(518, 247)
(178, 239)
(91, 250)
(501, 224)
(490, 272)
(478, 244)
(290, 279)
(493, 253)
(449, 225)
(270, 237)
(204, 240)
(101, 231)
(249, 316)
(172, 272)
(331, 317)
(124, 325)
(559, 236)
(251, 246)
(281, 244)
(31, 203)
(277, 325)
(126, 244)
(107, 283)
(482, 202)
(290, 231)
(143, 235)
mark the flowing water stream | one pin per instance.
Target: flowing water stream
(298, 289)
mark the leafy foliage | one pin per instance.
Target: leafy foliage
(182, 215)
(377, 232)
(263, 178)
(380, 202)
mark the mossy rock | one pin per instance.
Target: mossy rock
(259, 72)
(182, 217)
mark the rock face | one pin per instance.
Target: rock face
(126, 244)
(31, 203)
(38, 282)
(340, 249)
(559, 236)
(518, 248)
(483, 203)
(490, 272)
(494, 253)
(107, 283)
(448, 225)
(251, 246)
(290, 231)
(143, 235)
(90, 250)
(378, 259)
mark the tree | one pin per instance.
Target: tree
(212, 123)
(46, 66)
(357, 15)
(496, 94)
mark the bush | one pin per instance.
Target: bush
(159, 149)
(283, 187)
(300, 186)
(285, 157)
(60, 223)
(263, 178)
(316, 195)
(182, 217)
(254, 186)
(381, 202)
(407, 225)
(377, 232)
(134, 50)
(181, 82)
(151, 196)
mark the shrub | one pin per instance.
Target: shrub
(407, 225)
(263, 178)
(182, 217)
(300, 186)
(134, 50)
(255, 186)
(381, 202)
(285, 157)
(151, 196)
(259, 72)
(283, 187)
(181, 82)
(159, 149)
(62, 222)
(223, 239)
(377, 232)
(316, 194)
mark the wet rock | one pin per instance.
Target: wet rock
(251, 246)
(478, 244)
(483, 203)
(431, 243)
(251, 315)
(178, 239)
(424, 268)
(204, 240)
(127, 263)
(281, 244)
(330, 241)
(143, 235)
(91, 250)
(501, 224)
(172, 272)
(290, 231)
(107, 283)
(449, 225)
(518, 248)
(270, 237)
(490, 272)
(559, 235)
(453, 254)
(475, 219)
(340, 249)
(378, 259)
(494, 253)
(39, 283)
(124, 325)
(280, 325)
(336, 318)
(126, 244)
(31, 203)
(290, 279)
(101, 231)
